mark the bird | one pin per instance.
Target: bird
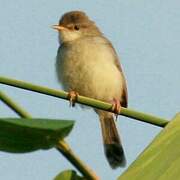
(88, 65)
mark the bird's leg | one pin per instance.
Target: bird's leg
(72, 96)
(116, 107)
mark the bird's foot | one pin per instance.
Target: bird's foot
(116, 107)
(72, 96)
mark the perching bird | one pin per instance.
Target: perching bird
(87, 63)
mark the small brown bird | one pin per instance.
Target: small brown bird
(87, 63)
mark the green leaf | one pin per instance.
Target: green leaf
(161, 159)
(20, 135)
(68, 175)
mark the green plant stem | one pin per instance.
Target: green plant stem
(15, 107)
(86, 101)
(62, 145)
(68, 153)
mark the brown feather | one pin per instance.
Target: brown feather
(112, 144)
(124, 99)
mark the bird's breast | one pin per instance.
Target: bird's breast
(88, 68)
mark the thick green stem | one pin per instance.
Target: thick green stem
(62, 146)
(86, 101)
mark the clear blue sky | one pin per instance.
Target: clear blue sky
(146, 35)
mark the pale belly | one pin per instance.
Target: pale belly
(91, 72)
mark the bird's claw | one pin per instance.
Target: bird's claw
(116, 107)
(72, 96)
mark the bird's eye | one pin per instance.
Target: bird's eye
(76, 27)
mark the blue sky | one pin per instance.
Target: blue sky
(146, 36)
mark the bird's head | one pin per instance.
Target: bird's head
(74, 25)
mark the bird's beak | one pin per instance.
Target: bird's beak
(59, 28)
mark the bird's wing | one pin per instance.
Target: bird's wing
(124, 99)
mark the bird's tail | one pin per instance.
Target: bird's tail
(112, 145)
